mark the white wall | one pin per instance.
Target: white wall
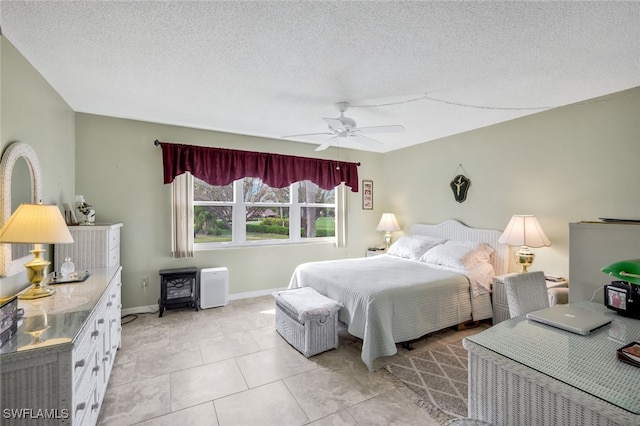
(578, 162)
(33, 113)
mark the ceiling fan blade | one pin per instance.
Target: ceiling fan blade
(394, 128)
(307, 134)
(326, 144)
(364, 140)
(335, 123)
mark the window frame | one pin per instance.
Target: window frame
(238, 225)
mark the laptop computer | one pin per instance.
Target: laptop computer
(576, 319)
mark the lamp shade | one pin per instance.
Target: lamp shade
(625, 270)
(524, 230)
(388, 223)
(36, 224)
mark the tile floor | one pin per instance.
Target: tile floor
(228, 366)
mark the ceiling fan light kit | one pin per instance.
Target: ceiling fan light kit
(344, 127)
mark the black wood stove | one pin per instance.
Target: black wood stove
(178, 289)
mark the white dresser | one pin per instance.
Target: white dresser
(62, 380)
(593, 245)
(96, 246)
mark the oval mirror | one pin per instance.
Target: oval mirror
(20, 194)
(20, 158)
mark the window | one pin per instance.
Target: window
(249, 212)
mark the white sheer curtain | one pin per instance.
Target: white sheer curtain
(341, 216)
(182, 215)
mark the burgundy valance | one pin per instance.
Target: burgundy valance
(220, 166)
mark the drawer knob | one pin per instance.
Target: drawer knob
(81, 406)
(80, 363)
(101, 321)
(110, 304)
(95, 406)
(95, 333)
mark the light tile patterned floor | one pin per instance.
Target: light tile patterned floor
(228, 366)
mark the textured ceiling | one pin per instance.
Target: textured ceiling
(277, 68)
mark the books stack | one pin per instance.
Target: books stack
(630, 354)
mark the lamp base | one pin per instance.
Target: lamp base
(36, 273)
(36, 292)
(524, 257)
(387, 240)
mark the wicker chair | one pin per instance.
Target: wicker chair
(526, 293)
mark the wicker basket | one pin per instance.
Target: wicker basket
(311, 327)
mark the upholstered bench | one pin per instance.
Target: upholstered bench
(307, 320)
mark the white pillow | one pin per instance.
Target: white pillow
(413, 248)
(459, 254)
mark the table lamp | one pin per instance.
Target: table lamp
(36, 224)
(388, 224)
(524, 231)
(625, 270)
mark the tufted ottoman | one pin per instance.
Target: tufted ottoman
(307, 320)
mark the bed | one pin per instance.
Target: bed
(414, 289)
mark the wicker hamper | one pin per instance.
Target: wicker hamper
(307, 320)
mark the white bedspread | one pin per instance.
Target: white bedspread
(387, 299)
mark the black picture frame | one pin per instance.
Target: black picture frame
(367, 194)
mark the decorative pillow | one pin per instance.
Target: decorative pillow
(458, 254)
(413, 248)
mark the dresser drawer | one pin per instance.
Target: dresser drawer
(114, 257)
(114, 238)
(82, 355)
(87, 408)
(94, 407)
(86, 380)
(88, 354)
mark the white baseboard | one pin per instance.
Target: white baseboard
(151, 309)
(250, 294)
(140, 310)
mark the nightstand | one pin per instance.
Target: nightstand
(558, 293)
(375, 251)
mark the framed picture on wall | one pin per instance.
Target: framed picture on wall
(367, 195)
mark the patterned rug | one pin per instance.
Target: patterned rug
(438, 377)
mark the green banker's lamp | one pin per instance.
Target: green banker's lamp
(625, 270)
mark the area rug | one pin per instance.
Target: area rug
(438, 377)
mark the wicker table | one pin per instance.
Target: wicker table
(525, 373)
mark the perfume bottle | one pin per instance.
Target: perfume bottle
(67, 267)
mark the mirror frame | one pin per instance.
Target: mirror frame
(10, 156)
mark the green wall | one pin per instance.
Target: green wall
(573, 163)
(569, 164)
(33, 113)
(119, 172)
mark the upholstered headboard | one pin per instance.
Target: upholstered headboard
(454, 230)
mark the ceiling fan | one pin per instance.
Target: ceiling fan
(345, 128)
